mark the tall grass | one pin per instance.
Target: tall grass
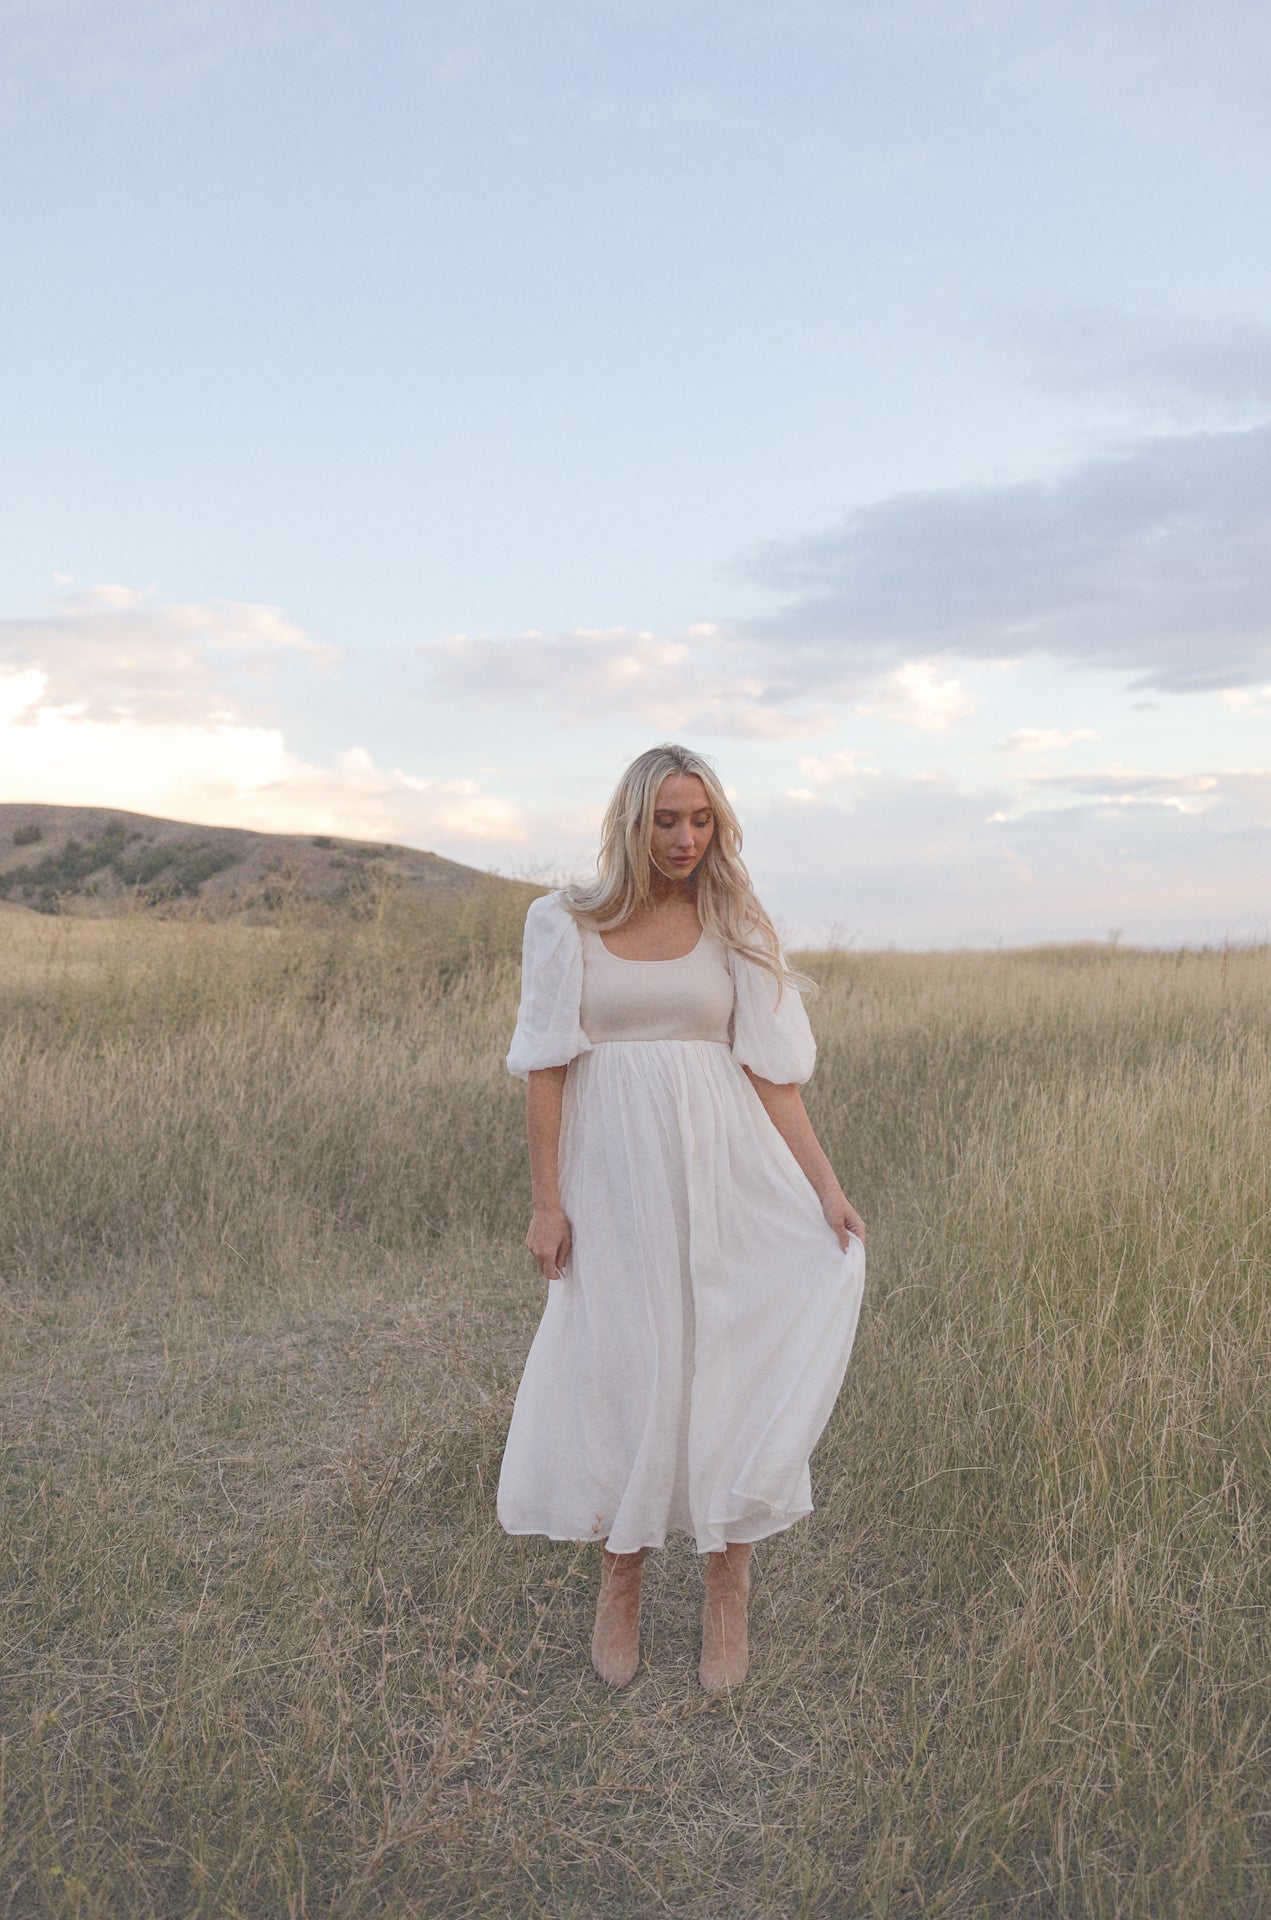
(265, 1651)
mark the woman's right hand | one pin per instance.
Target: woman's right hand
(549, 1240)
(842, 1216)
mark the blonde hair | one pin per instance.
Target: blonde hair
(726, 901)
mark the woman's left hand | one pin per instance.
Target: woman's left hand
(842, 1217)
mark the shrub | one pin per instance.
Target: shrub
(174, 869)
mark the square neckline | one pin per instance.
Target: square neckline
(626, 961)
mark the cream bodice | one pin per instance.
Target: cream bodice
(686, 999)
(574, 992)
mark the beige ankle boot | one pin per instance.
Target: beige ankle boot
(725, 1645)
(615, 1642)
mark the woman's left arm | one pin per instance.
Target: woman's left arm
(784, 1107)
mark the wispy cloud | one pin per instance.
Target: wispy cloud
(237, 775)
(118, 652)
(1205, 62)
(1045, 739)
(929, 862)
(118, 698)
(708, 680)
(830, 769)
(1251, 700)
(703, 681)
(1190, 372)
(119, 54)
(1152, 561)
(1128, 786)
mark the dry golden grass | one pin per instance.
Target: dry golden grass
(265, 1650)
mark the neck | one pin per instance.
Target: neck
(662, 887)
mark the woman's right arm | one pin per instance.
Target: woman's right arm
(549, 1237)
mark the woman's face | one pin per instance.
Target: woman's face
(683, 823)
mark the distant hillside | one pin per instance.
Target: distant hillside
(103, 861)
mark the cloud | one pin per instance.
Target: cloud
(1045, 739)
(359, 798)
(703, 681)
(1152, 560)
(1127, 787)
(234, 775)
(1251, 700)
(19, 693)
(1116, 788)
(1128, 783)
(117, 652)
(1196, 65)
(118, 699)
(926, 862)
(913, 697)
(134, 54)
(1183, 371)
(830, 770)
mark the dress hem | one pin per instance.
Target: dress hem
(721, 1529)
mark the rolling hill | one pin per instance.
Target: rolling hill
(105, 861)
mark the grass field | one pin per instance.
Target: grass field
(265, 1650)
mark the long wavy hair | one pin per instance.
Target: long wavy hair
(726, 902)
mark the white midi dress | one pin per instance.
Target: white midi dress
(687, 1362)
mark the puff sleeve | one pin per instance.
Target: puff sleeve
(548, 1030)
(771, 1031)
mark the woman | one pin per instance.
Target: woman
(705, 1270)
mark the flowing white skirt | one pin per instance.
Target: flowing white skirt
(686, 1364)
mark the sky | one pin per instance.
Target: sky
(409, 412)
